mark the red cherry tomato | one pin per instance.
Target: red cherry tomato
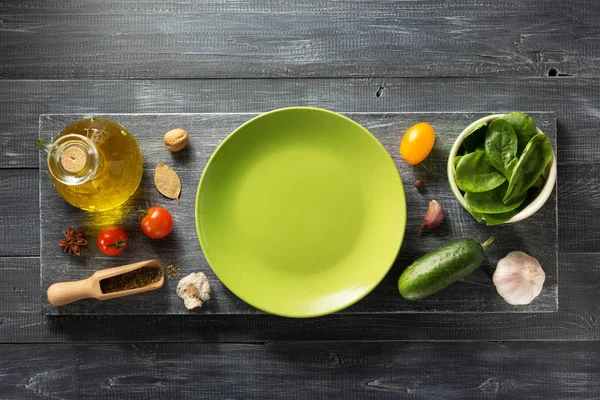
(157, 223)
(112, 241)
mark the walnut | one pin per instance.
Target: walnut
(176, 139)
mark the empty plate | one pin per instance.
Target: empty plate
(300, 212)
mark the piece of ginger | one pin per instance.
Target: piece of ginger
(194, 289)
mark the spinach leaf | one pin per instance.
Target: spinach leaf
(501, 146)
(524, 127)
(540, 182)
(531, 165)
(497, 219)
(455, 161)
(473, 139)
(474, 173)
(475, 214)
(490, 202)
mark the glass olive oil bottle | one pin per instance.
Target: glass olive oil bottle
(95, 164)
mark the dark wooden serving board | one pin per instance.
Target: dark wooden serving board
(536, 236)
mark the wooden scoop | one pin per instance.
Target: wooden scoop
(63, 293)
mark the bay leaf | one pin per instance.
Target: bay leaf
(167, 181)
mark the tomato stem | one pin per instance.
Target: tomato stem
(118, 244)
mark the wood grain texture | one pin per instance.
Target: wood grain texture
(16, 294)
(501, 44)
(473, 294)
(302, 371)
(569, 325)
(302, 38)
(576, 319)
(581, 191)
(574, 100)
(18, 228)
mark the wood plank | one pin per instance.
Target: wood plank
(574, 101)
(19, 210)
(473, 294)
(301, 371)
(576, 319)
(17, 293)
(570, 325)
(251, 39)
(579, 192)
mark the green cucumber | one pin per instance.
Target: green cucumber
(441, 267)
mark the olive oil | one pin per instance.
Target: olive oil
(95, 164)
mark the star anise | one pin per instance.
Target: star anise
(73, 242)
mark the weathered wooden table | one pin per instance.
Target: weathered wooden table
(86, 57)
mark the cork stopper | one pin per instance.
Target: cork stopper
(73, 159)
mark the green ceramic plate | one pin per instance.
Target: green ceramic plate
(300, 212)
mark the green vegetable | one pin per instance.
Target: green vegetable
(531, 165)
(501, 146)
(540, 182)
(475, 214)
(456, 160)
(497, 219)
(441, 267)
(474, 173)
(503, 160)
(490, 202)
(455, 163)
(524, 127)
(476, 137)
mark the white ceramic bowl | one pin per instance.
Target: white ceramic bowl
(534, 206)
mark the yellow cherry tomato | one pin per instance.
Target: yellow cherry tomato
(417, 143)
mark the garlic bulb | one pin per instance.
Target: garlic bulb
(519, 278)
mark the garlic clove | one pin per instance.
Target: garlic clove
(519, 278)
(433, 217)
